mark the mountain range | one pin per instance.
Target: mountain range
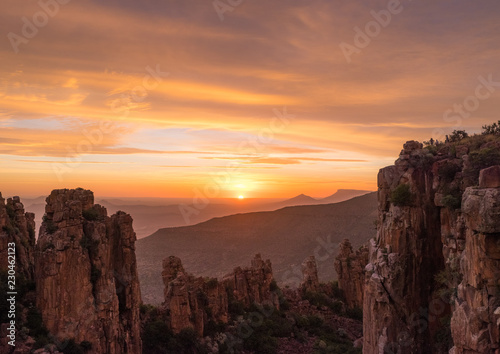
(152, 214)
(287, 236)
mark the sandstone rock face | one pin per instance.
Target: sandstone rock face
(474, 324)
(17, 227)
(310, 280)
(252, 285)
(350, 267)
(86, 276)
(17, 241)
(192, 302)
(490, 177)
(436, 256)
(403, 258)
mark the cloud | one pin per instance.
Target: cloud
(68, 162)
(279, 160)
(226, 77)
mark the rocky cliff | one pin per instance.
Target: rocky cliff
(310, 281)
(17, 246)
(350, 266)
(252, 284)
(86, 277)
(475, 324)
(18, 227)
(193, 302)
(436, 254)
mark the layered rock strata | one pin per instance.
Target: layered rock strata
(310, 281)
(86, 275)
(350, 266)
(436, 254)
(17, 228)
(193, 302)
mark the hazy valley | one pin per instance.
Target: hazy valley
(286, 236)
(152, 214)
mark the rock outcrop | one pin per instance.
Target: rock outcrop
(86, 276)
(17, 248)
(437, 253)
(475, 324)
(17, 227)
(192, 302)
(490, 177)
(253, 284)
(350, 266)
(310, 281)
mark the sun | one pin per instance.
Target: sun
(241, 197)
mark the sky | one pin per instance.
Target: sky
(235, 97)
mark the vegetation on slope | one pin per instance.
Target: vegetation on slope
(304, 323)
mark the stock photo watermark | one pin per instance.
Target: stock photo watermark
(11, 293)
(363, 36)
(223, 6)
(40, 19)
(121, 106)
(251, 147)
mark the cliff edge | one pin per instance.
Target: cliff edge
(432, 281)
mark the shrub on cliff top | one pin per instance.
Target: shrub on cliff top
(492, 129)
(457, 135)
(401, 195)
(481, 159)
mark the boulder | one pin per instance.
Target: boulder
(490, 177)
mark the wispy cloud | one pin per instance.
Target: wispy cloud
(279, 160)
(227, 76)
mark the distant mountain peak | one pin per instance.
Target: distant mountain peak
(302, 197)
(343, 194)
(351, 190)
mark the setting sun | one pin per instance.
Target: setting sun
(241, 197)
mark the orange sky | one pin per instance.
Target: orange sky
(163, 98)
